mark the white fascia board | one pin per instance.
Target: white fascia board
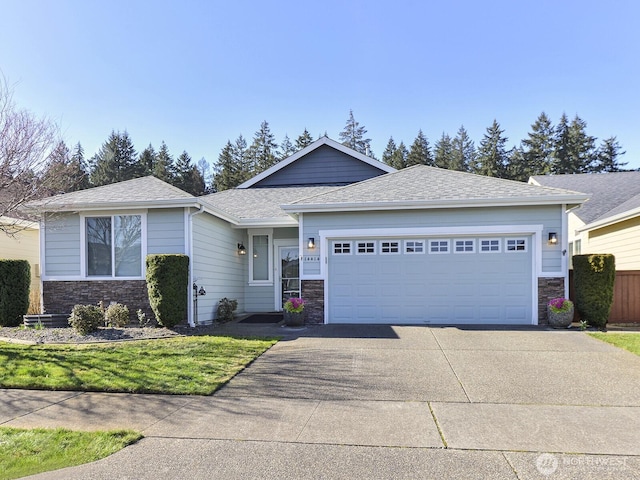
(318, 143)
(605, 222)
(420, 204)
(105, 206)
(431, 231)
(266, 223)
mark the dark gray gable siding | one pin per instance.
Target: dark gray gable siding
(322, 166)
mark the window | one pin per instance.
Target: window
(364, 248)
(389, 247)
(464, 246)
(490, 245)
(516, 244)
(439, 246)
(260, 257)
(114, 246)
(578, 247)
(414, 246)
(342, 248)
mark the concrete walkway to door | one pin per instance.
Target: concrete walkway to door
(380, 402)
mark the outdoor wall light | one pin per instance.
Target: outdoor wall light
(553, 238)
(241, 249)
(312, 243)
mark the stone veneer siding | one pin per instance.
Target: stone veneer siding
(61, 296)
(313, 293)
(548, 288)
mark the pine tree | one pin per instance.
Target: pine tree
(463, 152)
(226, 170)
(147, 159)
(538, 149)
(443, 151)
(187, 176)
(286, 148)
(517, 167)
(244, 166)
(390, 149)
(399, 158)
(575, 151)
(163, 165)
(608, 156)
(263, 150)
(65, 172)
(116, 161)
(420, 152)
(353, 136)
(492, 155)
(304, 140)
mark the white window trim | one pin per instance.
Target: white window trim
(421, 241)
(439, 240)
(398, 242)
(341, 242)
(526, 245)
(83, 244)
(480, 240)
(269, 233)
(473, 245)
(357, 246)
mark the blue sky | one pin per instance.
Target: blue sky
(197, 73)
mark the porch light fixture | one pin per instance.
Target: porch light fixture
(312, 243)
(553, 238)
(241, 249)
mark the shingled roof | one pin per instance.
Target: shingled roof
(430, 187)
(610, 194)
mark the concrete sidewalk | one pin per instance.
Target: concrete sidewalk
(378, 402)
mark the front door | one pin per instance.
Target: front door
(289, 274)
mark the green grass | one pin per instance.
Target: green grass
(186, 365)
(27, 452)
(628, 341)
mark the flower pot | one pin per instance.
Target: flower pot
(293, 319)
(559, 319)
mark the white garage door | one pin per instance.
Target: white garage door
(445, 280)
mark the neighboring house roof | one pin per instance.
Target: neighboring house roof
(430, 187)
(383, 167)
(612, 196)
(139, 192)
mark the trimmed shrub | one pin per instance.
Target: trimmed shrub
(15, 278)
(167, 284)
(116, 315)
(86, 318)
(594, 276)
(226, 308)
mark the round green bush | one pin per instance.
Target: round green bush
(86, 318)
(116, 315)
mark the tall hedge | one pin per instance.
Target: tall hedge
(167, 284)
(15, 278)
(594, 276)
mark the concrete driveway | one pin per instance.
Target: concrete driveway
(380, 402)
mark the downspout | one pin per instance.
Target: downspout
(190, 312)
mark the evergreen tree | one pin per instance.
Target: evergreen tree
(226, 170)
(116, 161)
(187, 176)
(390, 149)
(463, 152)
(244, 166)
(147, 159)
(304, 140)
(399, 158)
(608, 156)
(517, 167)
(492, 155)
(78, 170)
(353, 136)
(443, 151)
(263, 150)
(575, 151)
(203, 168)
(64, 172)
(538, 149)
(420, 152)
(163, 165)
(286, 148)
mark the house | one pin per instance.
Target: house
(609, 222)
(360, 241)
(23, 243)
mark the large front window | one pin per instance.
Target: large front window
(114, 246)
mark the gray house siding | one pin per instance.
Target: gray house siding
(323, 166)
(259, 298)
(217, 267)
(165, 231)
(62, 245)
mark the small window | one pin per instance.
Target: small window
(490, 245)
(577, 247)
(389, 247)
(342, 248)
(365, 248)
(516, 245)
(439, 246)
(464, 246)
(414, 246)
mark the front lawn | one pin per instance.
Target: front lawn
(185, 366)
(27, 452)
(628, 341)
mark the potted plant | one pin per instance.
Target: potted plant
(560, 312)
(294, 312)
